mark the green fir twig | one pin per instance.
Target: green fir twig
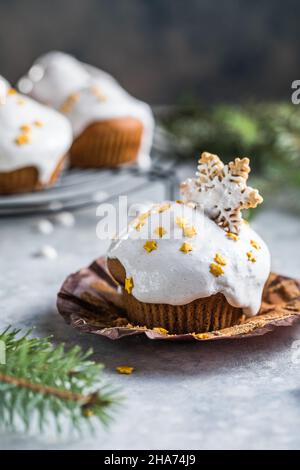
(40, 383)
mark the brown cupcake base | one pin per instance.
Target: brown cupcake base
(107, 144)
(200, 316)
(27, 179)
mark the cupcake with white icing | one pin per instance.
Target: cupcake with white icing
(34, 141)
(110, 127)
(194, 265)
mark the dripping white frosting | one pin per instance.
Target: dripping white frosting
(170, 276)
(4, 85)
(56, 76)
(50, 135)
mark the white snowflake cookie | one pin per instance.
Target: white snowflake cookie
(221, 190)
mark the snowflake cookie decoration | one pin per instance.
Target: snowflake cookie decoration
(221, 190)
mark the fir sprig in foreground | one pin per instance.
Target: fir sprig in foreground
(40, 382)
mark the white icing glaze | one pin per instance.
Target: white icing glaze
(62, 75)
(48, 142)
(167, 275)
(4, 85)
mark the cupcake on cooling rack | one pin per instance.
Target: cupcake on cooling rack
(111, 127)
(194, 265)
(34, 141)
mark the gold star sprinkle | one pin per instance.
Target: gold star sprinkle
(216, 270)
(150, 245)
(38, 123)
(186, 247)
(23, 139)
(189, 231)
(70, 101)
(219, 259)
(251, 257)
(96, 91)
(160, 330)
(160, 231)
(127, 370)
(144, 216)
(181, 222)
(233, 236)
(163, 207)
(138, 225)
(201, 335)
(11, 91)
(25, 128)
(128, 284)
(179, 201)
(255, 244)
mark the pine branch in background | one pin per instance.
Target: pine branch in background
(39, 382)
(268, 133)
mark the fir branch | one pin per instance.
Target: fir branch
(40, 382)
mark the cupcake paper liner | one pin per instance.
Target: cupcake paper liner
(202, 315)
(90, 301)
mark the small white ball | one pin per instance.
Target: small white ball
(44, 226)
(47, 251)
(66, 219)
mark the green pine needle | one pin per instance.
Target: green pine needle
(40, 383)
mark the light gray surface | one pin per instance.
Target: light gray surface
(238, 394)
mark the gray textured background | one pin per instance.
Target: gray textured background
(241, 394)
(162, 50)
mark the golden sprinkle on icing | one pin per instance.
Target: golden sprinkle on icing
(160, 231)
(181, 222)
(38, 123)
(138, 225)
(216, 269)
(160, 330)
(12, 91)
(189, 231)
(163, 207)
(219, 259)
(128, 285)
(96, 91)
(127, 370)
(68, 104)
(233, 236)
(23, 139)
(144, 216)
(25, 128)
(251, 257)
(179, 201)
(186, 247)
(150, 245)
(255, 244)
(21, 102)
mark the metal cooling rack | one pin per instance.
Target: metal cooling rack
(77, 189)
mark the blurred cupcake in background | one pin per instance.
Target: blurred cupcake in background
(34, 141)
(110, 127)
